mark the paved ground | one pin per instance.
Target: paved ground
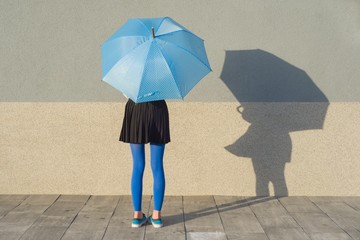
(185, 217)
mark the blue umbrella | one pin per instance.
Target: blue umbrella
(150, 59)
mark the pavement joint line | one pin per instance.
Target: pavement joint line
(220, 217)
(107, 225)
(39, 215)
(332, 219)
(87, 200)
(308, 235)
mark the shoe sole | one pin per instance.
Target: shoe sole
(155, 225)
(138, 225)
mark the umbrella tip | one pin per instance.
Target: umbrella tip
(153, 32)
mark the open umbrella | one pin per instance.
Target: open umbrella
(150, 59)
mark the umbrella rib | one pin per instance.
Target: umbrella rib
(182, 29)
(143, 25)
(142, 74)
(132, 50)
(189, 53)
(185, 30)
(160, 24)
(167, 65)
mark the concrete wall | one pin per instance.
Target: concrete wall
(278, 115)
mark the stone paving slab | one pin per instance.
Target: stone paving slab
(210, 217)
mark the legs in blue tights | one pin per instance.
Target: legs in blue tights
(157, 166)
(138, 153)
(156, 154)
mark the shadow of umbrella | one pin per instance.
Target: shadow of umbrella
(275, 98)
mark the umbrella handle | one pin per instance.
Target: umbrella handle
(153, 33)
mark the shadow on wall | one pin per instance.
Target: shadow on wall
(275, 98)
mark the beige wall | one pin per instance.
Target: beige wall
(74, 148)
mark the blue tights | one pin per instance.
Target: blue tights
(156, 154)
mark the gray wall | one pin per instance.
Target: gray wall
(259, 50)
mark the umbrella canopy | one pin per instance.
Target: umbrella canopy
(150, 59)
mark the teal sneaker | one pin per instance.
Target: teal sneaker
(157, 223)
(136, 223)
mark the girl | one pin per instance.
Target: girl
(143, 123)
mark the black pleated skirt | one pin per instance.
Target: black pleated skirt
(145, 122)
